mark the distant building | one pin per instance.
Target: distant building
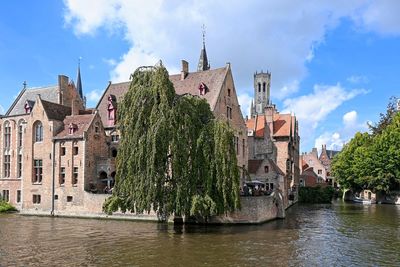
(309, 177)
(321, 164)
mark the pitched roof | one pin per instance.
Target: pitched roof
(213, 79)
(282, 124)
(257, 124)
(331, 153)
(49, 93)
(82, 123)
(55, 111)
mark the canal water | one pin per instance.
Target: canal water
(341, 234)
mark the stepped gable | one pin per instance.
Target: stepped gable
(55, 111)
(81, 122)
(49, 93)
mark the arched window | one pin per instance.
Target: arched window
(38, 132)
(264, 87)
(259, 87)
(20, 133)
(7, 135)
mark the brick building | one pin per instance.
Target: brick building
(58, 156)
(274, 136)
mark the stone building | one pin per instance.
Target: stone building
(326, 160)
(283, 136)
(214, 85)
(309, 176)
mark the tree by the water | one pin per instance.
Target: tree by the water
(372, 160)
(174, 156)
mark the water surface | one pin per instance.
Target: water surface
(340, 234)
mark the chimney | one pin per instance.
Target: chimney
(75, 107)
(185, 69)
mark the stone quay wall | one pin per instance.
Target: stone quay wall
(253, 210)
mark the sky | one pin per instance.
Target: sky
(334, 64)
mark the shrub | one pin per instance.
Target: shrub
(316, 194)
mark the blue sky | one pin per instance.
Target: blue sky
(334, 64)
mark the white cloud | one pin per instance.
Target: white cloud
(381, 16)
(332, 141)
(350, 118)
(245, 102)
(110, 61)
(312, 108)
(356, 79)
(94, 96)
(277, 35)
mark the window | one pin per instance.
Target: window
(18, 196)
(114, 153)
(62, 151)
(36, 199)
(19, 166)
(7, 135)
(38, 132)
(20, 133)
(6, 195)
(319, 171)
(115, 138)
(229, 112)
(96, 129)
(62, 175)
(75, 176)
(237, 145)
(264, 87)
(259, 87)
(244, 147)
(76, 150)
(72, 128)
(69, 198)
(38, 171)
(55, 197)
(229, 92)
(7, 165)
(266, 169)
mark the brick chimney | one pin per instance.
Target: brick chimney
(75, 107)
(185, 69)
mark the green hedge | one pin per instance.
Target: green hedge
(316, 194)
(5, 207)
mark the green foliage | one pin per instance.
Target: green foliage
(385, 119)
(174, 156)
(371, 161)
(6, 207)
(316, 194)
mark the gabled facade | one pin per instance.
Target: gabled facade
(214, 85)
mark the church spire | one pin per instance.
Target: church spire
(203, 61)
(78, 80)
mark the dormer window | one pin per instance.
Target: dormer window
(229, 92)
(202, 89)
(112, 109)
(28, 106)
(72, 128)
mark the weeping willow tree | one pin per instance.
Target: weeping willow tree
(174, 156)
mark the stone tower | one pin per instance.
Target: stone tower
(203, 61)
(262, 82)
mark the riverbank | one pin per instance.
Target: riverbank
(6, 207)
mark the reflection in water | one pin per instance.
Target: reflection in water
(340, 234)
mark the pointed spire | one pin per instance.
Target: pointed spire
(78, 79)
(203, 61)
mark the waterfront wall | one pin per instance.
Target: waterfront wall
(253, 210)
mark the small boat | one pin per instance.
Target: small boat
(364, 201)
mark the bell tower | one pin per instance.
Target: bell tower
(262, 83)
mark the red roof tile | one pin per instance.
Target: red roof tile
(81, 121)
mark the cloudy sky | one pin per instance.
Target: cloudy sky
(334, 64)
